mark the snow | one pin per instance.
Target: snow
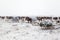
(26, 31)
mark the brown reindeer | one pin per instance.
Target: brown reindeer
(39, 18)
(9, 17)
(28, 19)
(48, 17)
(55, 18)
(2, 17)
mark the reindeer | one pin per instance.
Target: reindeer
(59, 17)
(48, 17)
(15, 19)
(55, 18)
(2, 17)
(8, 18)
(39, 18)
(22, 19)
(18, 17)
(28, 19)
(58, 21)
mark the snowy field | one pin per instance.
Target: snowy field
(26, 31)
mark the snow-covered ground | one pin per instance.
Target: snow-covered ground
(26, 31)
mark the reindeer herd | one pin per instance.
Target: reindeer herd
(39, 20)
(29, 19)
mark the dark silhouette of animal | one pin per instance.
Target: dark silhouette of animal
(48, 17)
(55, 18)
(39, 18)
(28, 19)
(59, 17)
(58, 21)
(2, 17)
(9, 17)
(13, 19)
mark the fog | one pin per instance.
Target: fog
(30, 7)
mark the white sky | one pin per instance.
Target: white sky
(30, 7)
